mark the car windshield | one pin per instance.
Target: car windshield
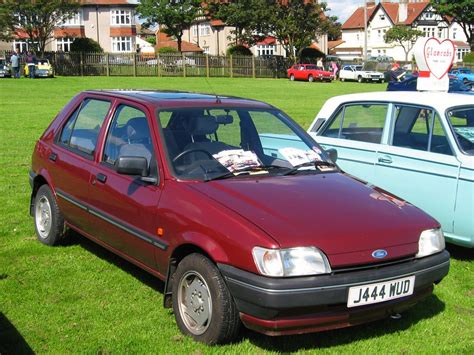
(212, 143)
(461, 120)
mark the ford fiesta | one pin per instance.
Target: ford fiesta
(237, 209)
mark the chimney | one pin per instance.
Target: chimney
(403, 11)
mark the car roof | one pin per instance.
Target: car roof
(174, 98)
(439, 100)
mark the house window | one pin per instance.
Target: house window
(21, 45)
(195, 29)
(121, 17)
(121, 44)
(204, 29)
(74, 21)
(265, 49)
(64, 44)
(379, 34)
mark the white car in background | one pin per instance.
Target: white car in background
(357, 72)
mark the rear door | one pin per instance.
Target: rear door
(356, 131)
(72, 156)
(124, 206)
(418, 164)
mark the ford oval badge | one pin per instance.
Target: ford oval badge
(379, 254)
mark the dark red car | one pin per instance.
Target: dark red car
(309, 72)
(235, 208)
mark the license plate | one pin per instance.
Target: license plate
(380, 292)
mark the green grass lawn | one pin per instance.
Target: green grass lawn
(81, 298)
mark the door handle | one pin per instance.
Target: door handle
(101, 177)
(385, 159)
(53, 157)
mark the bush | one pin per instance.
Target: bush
(151, 40)
(167, 50)
(85, 45)
(239, 50)
(469, 58)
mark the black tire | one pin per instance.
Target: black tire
(465, 81)
(221, 322)
(360, 79)
(292, 77)
(342, 79)
(310, 78)
(48, 219)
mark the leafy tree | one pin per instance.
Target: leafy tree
(151, 40)
(167, 50)
(245, 15)
(37, 18)
(239, 50)
(334, 30)
(174, 15)
(462, 11)
(404, 36)
(296, 23)
(86, 45)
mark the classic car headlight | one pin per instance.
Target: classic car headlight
(431, 242)
(290, 262)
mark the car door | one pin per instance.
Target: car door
(124, 206)
(72, 156)
(356, 131)
(418, 164)
(300, 73)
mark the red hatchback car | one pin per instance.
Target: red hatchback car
(244, 225)
(309, 72)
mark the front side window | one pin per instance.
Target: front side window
(358, 122)
(121, 17)
(121, 44)
(461, 121)
(209, 143)
(82, 128)
(129, 135)
(419, 128)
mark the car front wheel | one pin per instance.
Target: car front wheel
(49, 222)
(202, 304)
(360, 79)
(292, 77)
(310, 78)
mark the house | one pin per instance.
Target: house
(418, 14)
(163, 40)
(109, 22)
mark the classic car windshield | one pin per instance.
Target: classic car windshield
(462, 123)
(209, 143)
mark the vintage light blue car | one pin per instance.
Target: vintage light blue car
(464, 74)
(416, 145)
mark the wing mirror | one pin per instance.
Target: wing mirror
(132, 166)
(332, 154)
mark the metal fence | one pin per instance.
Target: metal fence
(178, 65)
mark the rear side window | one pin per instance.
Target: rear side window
(419, 128)
(82, 129)
(361, 122)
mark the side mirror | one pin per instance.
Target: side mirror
(132, 166)
(332, 153)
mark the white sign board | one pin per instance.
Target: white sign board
(434, 58)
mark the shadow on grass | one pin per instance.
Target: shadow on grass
(460, 253)
(11, 341)
(74, 238)
(427, 308)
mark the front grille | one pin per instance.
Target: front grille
(373, 266)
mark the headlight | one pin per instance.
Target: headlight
(290, 262)
(431, 242)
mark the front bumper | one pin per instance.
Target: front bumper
(277, 306)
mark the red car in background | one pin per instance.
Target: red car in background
(309, 72)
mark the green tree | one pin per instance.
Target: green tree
(37, 18)
(296, 23)
(245, 15)
(174, 16)
(404, 36)
(462, 12)
(87, 45)
(334, 30)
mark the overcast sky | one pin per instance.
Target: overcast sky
(343, 8)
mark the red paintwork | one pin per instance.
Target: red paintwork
(345, 218)
(304, 71)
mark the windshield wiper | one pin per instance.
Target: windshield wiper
(262, 167)
(314, 164)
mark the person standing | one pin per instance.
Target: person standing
(319, 63)
(31, 63)
(15, 62)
